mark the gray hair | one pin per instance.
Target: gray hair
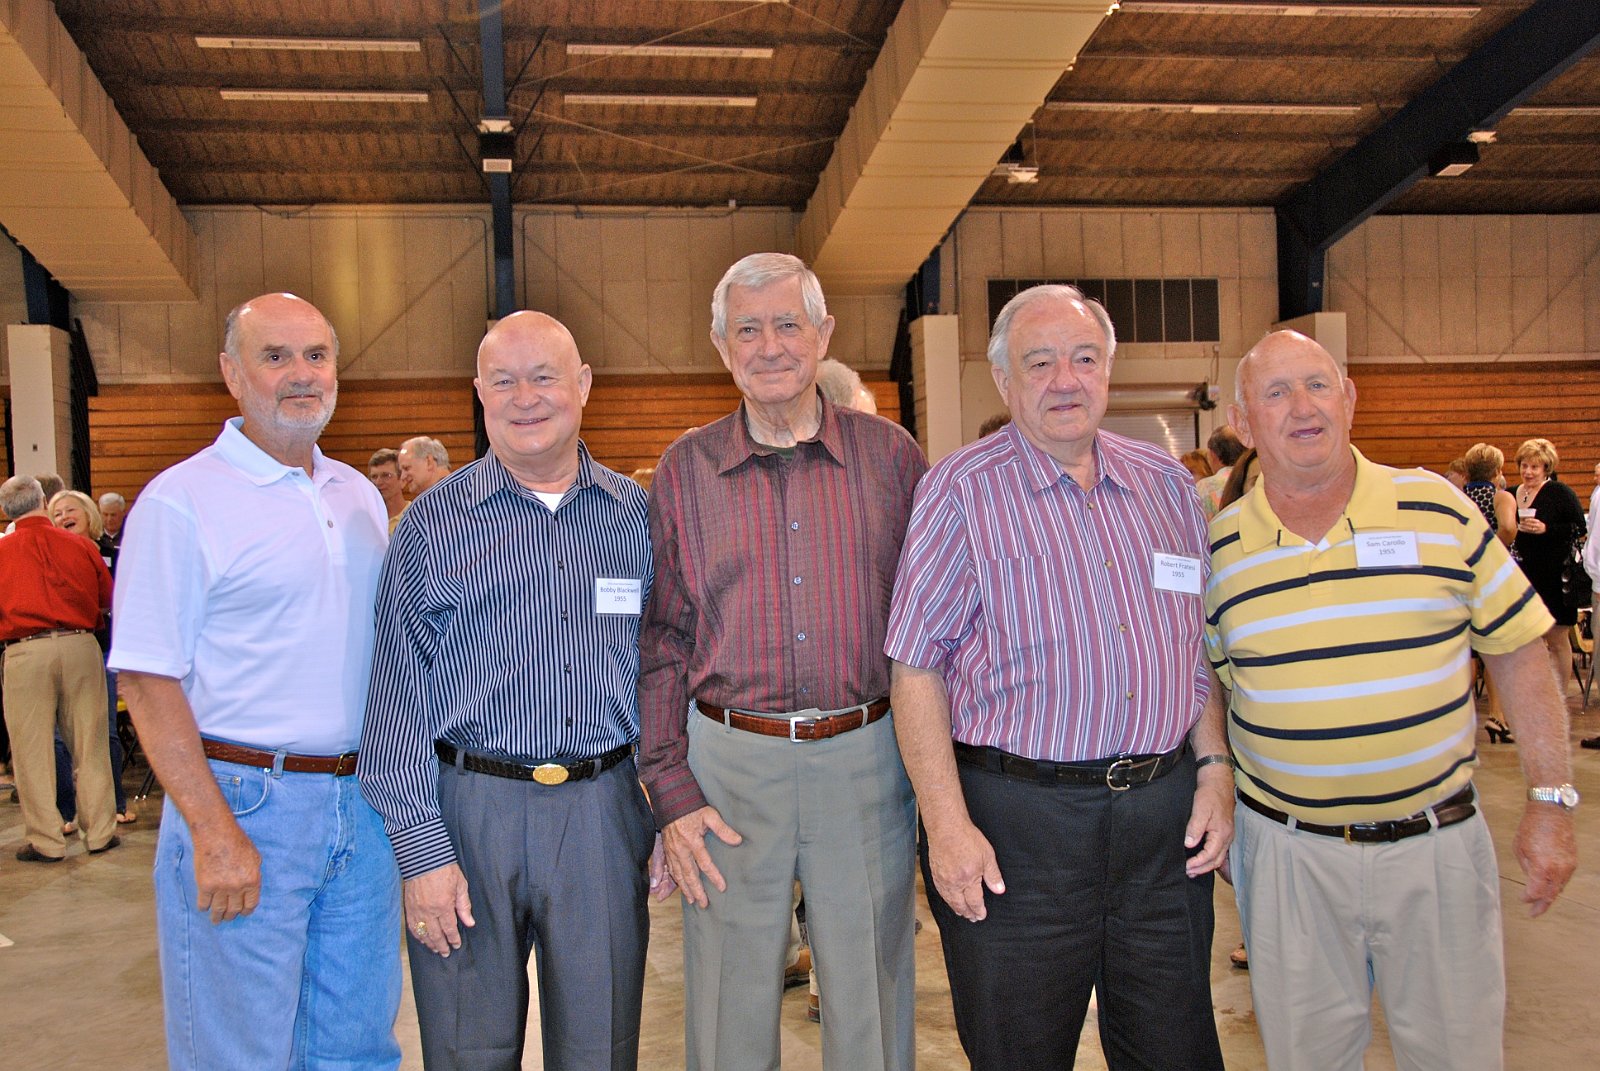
(111, 498)
(421, 446)
(763, 269)
(838, 382)
(20, 496)
(1000, 334)
(230, 327)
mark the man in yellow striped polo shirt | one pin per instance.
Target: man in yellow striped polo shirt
(1344, 602)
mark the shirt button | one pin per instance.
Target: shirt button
(330, 524)
(562, 565)
(794, 526)
(1130, 695)
(1090, 505)
(805, 690)
(568, 668)
(1120, 628)
(801, 637)
(1108, 563)
(797, 580)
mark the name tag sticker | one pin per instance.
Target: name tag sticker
(1379, 550)
(617, 596)
(1174, 572)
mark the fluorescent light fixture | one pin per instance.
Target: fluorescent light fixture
(1194, 108)
(1557, 111)
(326, 96)
(1454, 159)
(312, 44)
(1016, 174)
(670, 51)
(1243, 7)
(671, 100)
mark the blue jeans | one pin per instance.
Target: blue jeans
(311, 978)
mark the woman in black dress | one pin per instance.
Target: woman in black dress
(1549, 518)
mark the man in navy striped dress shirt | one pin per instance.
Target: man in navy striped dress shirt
(501, 725)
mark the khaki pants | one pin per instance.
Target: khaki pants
(50, 681)
(1325, 921)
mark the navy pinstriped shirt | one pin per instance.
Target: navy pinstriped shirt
(488, 637)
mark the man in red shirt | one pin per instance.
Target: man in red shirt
(54, 591)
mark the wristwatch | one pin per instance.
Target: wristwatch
(1564, 796)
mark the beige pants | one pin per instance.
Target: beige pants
(1324, 921)
(50, 681)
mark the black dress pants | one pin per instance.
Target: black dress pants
(1096, 899)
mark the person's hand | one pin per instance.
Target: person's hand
(433, 903)
(1531, 525)
(963, 862)
(1210, 820)
(684, 843)
(661, 883)
(227, 871)
(1547, 851)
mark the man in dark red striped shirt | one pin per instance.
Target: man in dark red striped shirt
(776, 532)
(54, 592)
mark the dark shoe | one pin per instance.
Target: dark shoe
(799, 972)
(29, 854)
(107, 846)
(1499, 732)
(1590, 742)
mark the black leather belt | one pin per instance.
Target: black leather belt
(1118, 775)
(546, 773)
(1457, 808)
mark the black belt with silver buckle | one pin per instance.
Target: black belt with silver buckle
(546, 773)
(1118, 775)
(1457, 808)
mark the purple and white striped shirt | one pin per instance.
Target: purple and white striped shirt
(1037, 599)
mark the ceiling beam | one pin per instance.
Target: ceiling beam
(1520, 59)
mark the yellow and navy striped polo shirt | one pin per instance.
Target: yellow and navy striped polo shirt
(1351, 677)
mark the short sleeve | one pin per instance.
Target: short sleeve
(935, 589)
(158, 602)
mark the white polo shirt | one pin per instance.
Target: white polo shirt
(254, 585)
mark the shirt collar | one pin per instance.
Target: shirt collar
(1043, 471)
(490, 475)
(1374, 504)
(740, 446)
(260, 467)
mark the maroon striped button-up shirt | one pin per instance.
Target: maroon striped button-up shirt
(773, 577)
(1036, 599)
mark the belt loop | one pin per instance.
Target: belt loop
(727, 718)
(277, 762)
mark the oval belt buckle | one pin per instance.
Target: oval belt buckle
(1121, 766)
(550, 773)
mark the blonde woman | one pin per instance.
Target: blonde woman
(1549, 518)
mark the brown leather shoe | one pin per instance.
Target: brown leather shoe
(107, 846)
(29, 854)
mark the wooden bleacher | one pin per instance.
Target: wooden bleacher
(1426, 415)
(135, 431)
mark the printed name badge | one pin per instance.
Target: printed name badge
(1174, 572)
(1379, 550)
(617, 596)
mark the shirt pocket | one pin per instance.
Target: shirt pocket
(1022, 616)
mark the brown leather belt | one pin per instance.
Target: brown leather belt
(46, 634)
(1457, 808)
(798, 727)
(337, 765)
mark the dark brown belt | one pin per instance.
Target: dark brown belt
(47, 633)
(798, 727)
(337, 765)
(1457, 808)
(1118, 775)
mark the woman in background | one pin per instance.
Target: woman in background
(1549, 518)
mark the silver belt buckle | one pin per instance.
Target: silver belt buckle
(809, 715)
(1120, 766)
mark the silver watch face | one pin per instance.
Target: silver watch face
(1567, 796)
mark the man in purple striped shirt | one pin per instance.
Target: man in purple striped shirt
(1055, 711)
(776, 532)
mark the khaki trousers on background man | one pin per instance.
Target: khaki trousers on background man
(61, 680)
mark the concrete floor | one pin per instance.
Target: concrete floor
(79, 986)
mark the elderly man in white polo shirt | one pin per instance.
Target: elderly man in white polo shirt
(244, 606)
